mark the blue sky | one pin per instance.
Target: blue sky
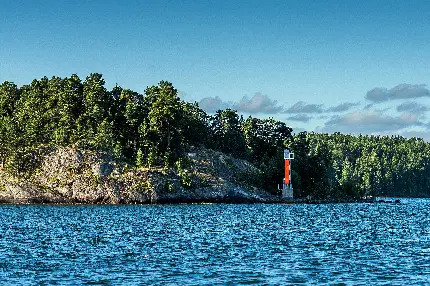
(326, 66)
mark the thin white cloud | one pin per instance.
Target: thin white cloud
(212, 104)
(259, 103)
(367, 122)
(342, 107)
(300, 118)
(410, 106)
(401, 91)
(303, 107)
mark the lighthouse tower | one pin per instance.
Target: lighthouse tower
(287, 188)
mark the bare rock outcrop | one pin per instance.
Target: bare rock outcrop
(70, 175)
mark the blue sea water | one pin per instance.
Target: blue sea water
(351, 244)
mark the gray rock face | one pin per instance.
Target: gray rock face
(70, 176)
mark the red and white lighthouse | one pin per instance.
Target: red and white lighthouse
(287, 188)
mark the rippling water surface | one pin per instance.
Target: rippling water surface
(210, 244)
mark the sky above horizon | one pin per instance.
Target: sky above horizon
(325, 66)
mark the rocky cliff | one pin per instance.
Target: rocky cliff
(70, 175)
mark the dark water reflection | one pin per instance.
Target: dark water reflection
(209, 244)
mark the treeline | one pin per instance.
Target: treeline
(151, 129)
(331, 166)
(157, 128)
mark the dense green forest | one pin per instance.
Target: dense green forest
(157, 128)
(342, 166)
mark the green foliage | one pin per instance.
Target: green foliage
(104, 139)
(9, 95)
(96, 103)
(140, 161)
(226, 133)
(6, 139)
(161, 130)
(346, 166)
(152, 159)
(3, 188)
(170, 188)
(186, 180)
(23, 159)
(70, 105)
(118, 150)
(194, 124)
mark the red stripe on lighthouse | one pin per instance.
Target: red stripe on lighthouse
(287, 172)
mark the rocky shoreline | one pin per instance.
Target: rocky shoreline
(73, 176)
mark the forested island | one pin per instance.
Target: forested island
(66, 140)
